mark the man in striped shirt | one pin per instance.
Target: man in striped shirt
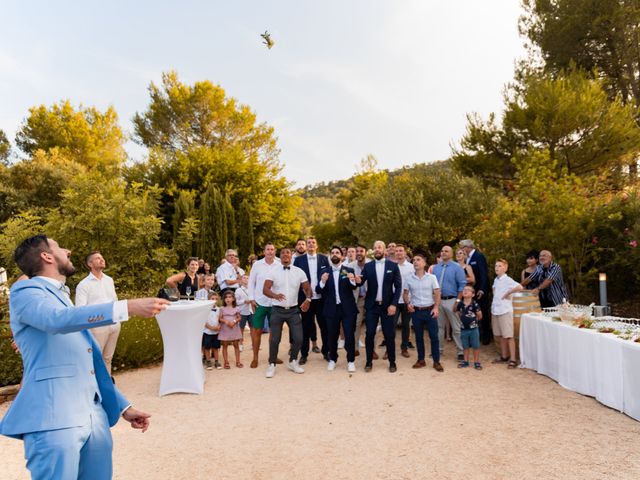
(552, 290)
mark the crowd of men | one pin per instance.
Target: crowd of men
(382, 289)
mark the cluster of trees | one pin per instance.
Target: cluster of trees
(556, 169)
(212, 180)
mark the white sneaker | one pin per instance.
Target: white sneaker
(379, 328)
(271, 370)
(340, 343)
(331, 366)
(361, 344)
(351, 367)
(295, 367)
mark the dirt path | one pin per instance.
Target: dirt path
(492, 424)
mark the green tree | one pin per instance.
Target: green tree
(426, 205)
(14, 231)
(36, 183)
(5, 148)
(599, 36)
(101, 213)
(85, 135)
(230, 216)
(546, 210)
(569, 116)
(212, 241)
(246, 244)
(185, 207)
(181, 116)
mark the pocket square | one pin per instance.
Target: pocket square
(389, 271)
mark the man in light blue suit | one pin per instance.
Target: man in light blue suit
(67, 402)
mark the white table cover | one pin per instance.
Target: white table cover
(181, 327)
(584, 361)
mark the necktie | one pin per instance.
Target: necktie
(444, 266)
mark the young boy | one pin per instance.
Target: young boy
(207, 287)
(502, 313)
(470, 314)
(210, 340)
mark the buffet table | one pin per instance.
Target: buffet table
(583, 360)
(181, 327)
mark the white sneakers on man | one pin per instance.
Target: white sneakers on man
(271, 370)
(295, 367)
(351, 367)
(331, 366)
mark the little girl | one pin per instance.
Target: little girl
(230, 327)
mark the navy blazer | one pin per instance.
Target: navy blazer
(303, 262)
(391, 284)
(480, 269)
(345, 290)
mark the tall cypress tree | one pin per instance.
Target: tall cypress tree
(244, 231)
(212, 240)
(231, 222)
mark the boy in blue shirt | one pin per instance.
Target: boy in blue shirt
(470, 314)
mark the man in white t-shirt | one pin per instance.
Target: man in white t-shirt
(282, 286)
(502, 312)
(94, 289)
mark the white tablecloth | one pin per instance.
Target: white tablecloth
(584, 361)
(181, 328)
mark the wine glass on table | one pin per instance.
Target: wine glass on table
(188, 291)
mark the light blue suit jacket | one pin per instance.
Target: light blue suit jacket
(63, 366)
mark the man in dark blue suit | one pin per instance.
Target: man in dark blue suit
(339, 308)
(384, 287)
(314, 265)
(478, 263)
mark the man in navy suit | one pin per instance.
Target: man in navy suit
(314, 265)
(67, 401)
(339, 308)
(384, 287)
(478, 263)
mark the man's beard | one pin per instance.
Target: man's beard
(378, 255)
(66, 270)
(335, 260)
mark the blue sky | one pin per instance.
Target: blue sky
(345, 78)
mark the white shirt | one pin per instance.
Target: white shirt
(286, 282)
(225, 272)
(93, 290)
(422, 289)
(243, 302)
(502, 285)
(380, 277)
(335, 270)
(213, 321)
(470, 255)
(313, 274)
(120, 312)
(406, 270)
(259, 272)
(361, 290)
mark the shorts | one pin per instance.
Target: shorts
(257, 321)
(210, 341)
(244, 319)
(470, 338)
(502, 325)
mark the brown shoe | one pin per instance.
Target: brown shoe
(357, 354)
(254, 364)
(420, 364)
(386, 356)
(375, 356)
(438, 367)
(405, 353)
(278, 361)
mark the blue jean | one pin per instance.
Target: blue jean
(422, 319)
(470, 338)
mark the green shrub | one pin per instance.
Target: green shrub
(10, 361)
(139, 344)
